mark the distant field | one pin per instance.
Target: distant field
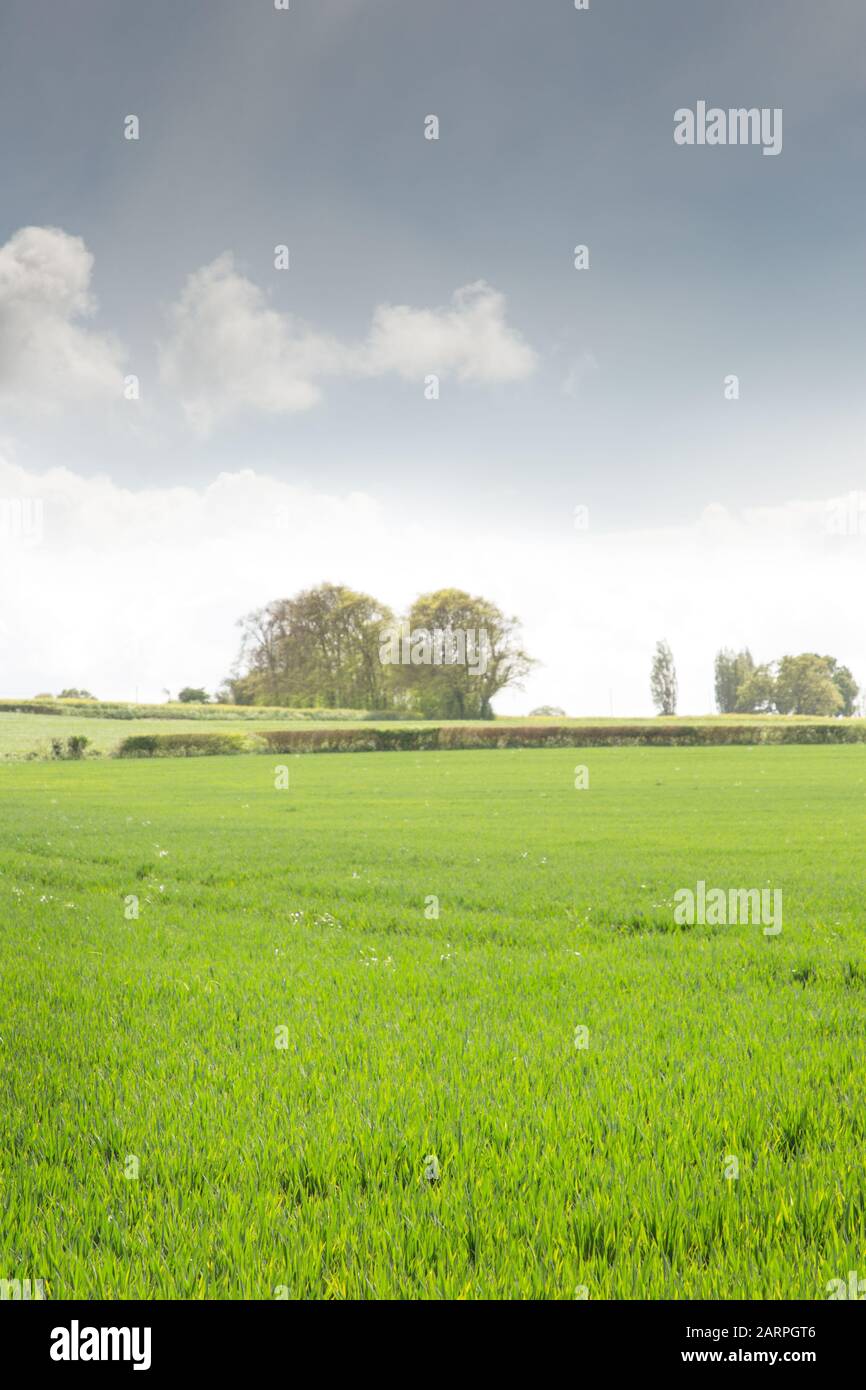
(148, 1044)
(23, 735)
(29, 735)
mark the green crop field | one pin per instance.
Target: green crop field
(241, 1055)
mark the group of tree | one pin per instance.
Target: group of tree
(804, 684)
(71, 693)
(333, 648)
(193, 695)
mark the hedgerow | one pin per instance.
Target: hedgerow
(185, 745)
(366, 740)
(102, 709)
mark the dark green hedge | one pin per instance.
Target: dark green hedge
(187, 745)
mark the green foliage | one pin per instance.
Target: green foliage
(804, 685)
(845, 684)
(138, 746)
(732, 670)
(389, 716)
(757, 693)
(425, 737)
(182, 745)
(212, 713)
(320, 648)
(192, 695)
(331, 646)
(459, 689)
(24, 736)
(349, 740)
(808, 684)
(410, 1038)
(73, 748)
(663, 680)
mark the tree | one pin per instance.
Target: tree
(804, 685)
(192, 695)
(462, 651)
(238, 690)
(663, 680)
(547, 712)
(757, 693)
(73, 694)
(845, 684)
(732, 669)
(319, 649)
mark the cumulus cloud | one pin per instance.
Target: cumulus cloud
(470, 340)
(49, 356)
(229, 351)
(186, 562)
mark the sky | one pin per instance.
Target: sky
(189, 427)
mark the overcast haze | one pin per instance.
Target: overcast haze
(282, 435)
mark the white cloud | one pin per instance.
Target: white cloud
(227, 349)
(184, 564)
(48, 357)
(470, 340)
(230, 351)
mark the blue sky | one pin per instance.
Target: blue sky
(558, 387)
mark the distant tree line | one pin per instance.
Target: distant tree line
(804, 684)
(333, 648)
(71, 693)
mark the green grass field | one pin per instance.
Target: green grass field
(151, 1043)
